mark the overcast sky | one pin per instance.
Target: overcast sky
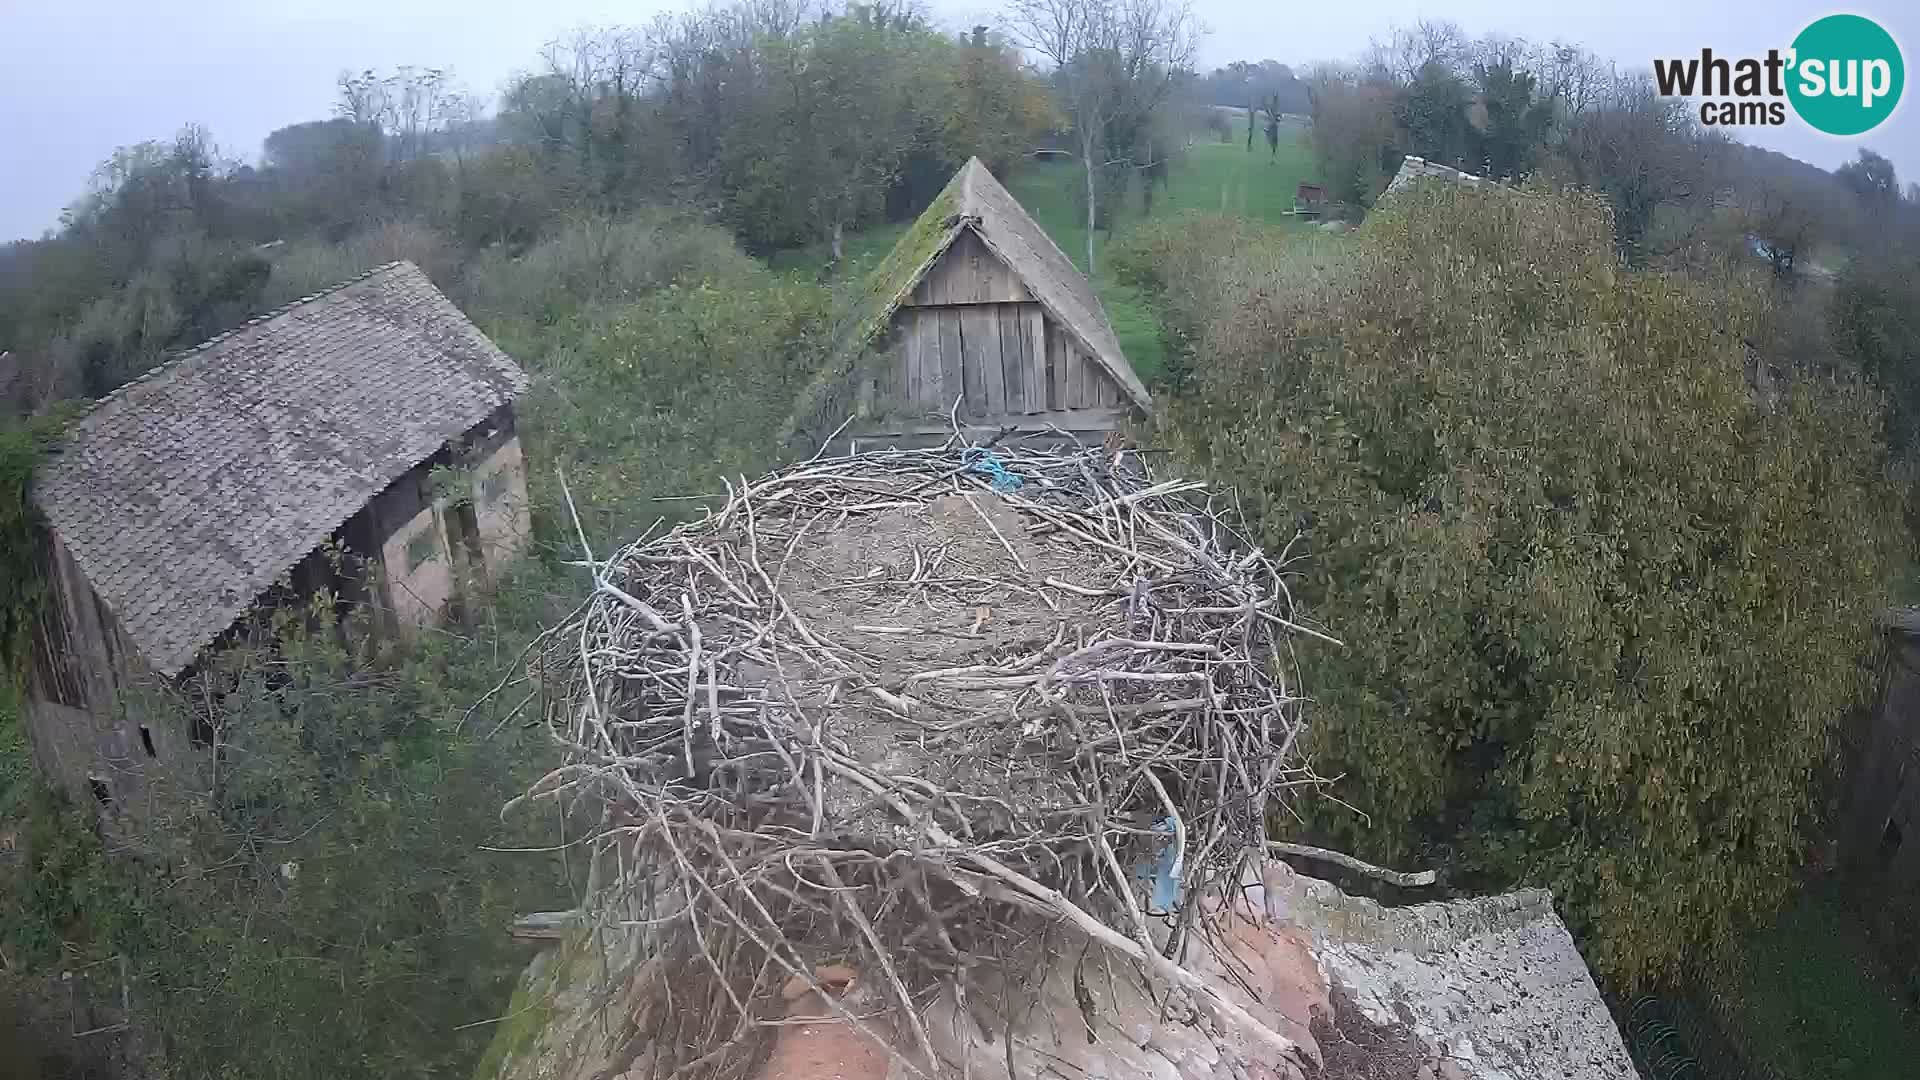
(81, 77)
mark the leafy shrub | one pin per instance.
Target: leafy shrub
(315, 898)
(599, 260)
(1233, 253)
(1876, 326)
(665, 395)
(1603, 605)
(306, 267)
(664, 359)
(21, 589)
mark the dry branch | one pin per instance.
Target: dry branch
(898, 720)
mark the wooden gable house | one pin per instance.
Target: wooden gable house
(975, 316)
(292, 456)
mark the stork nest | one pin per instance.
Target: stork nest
(880, 713)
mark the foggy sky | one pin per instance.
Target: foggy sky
(81, 77)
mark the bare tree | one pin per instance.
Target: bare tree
(1575, 76)
(1644, 152)
(1410, 49)
(407, 106)
(1115, 63)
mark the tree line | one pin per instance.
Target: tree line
(786, 123)
(1510, 109)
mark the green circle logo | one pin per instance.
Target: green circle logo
(1846, 76)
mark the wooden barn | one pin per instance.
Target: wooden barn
(977, 316)
(359, 442)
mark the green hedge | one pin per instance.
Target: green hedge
(1604, 605)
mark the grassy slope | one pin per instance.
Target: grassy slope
(1807, 997)
(1213, 176)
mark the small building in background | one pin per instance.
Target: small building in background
(975, 316)
(358, 442)
(1414, 169)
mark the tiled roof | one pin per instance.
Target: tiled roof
(186, 493)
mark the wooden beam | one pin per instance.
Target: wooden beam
(946, 381)
(1074, 420)
(1006, 386)
(980, 356)
(1034, 371)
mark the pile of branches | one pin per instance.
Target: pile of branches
(1152, 732)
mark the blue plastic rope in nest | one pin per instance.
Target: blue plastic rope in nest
(987, 464)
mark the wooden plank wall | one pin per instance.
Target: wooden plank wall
(971, 330)
(998, 359)
(969, 274)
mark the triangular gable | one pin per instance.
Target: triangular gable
(972, 201)
(1011, 233)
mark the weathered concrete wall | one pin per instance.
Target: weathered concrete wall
(468, 543)
(502, 514)
(418, 569)
(1493, 985)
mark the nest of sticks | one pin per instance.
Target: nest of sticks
(892, 713)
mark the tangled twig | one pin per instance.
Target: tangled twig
(872, 712)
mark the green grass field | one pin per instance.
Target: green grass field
(1808, 997)
(1212, 176)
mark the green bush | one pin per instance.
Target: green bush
(1603, 604)
(663, 359)
(308, 266)
(21, 588)
(599, 260)
(1875, 324)
(1233, 254)
(317, 897)
(666, 395)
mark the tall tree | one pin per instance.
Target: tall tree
(1115, 63)
(1513, 122)
(1410, 50)
(1354, 132)
(1643, 152)
(1434, 114)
